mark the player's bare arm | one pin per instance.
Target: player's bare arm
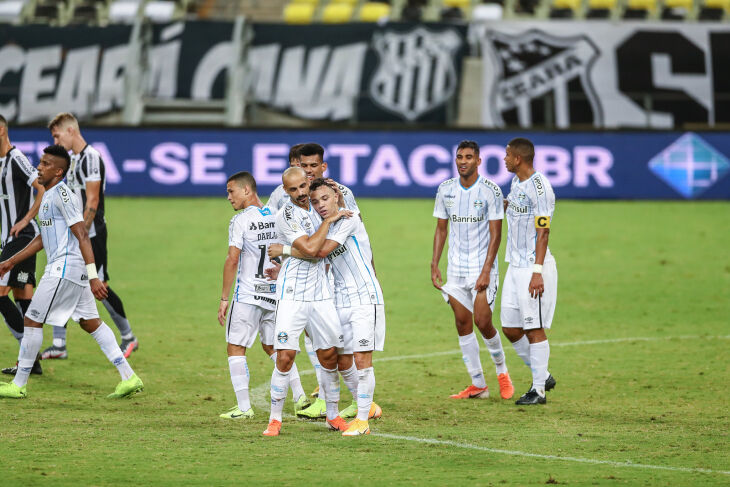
(31, 249)
(309, 247)
(537, 286)
(93, 188)
(229, 274)
(495, 238)
(32, 212)
(439, 239)
(79, 231)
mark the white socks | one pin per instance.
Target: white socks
(331, 384)
(522, 347)
(279, 388)
(30, 345)
(494, 345)
(312, 354)
(238, 367)
(365, 391)
(104, 336)
(539, 355)
(350, 376)
(295, 382)
(470, 353)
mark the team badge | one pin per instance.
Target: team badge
(282, 337)
(23, 277)
(478, 204)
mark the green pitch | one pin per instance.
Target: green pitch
(639, 349)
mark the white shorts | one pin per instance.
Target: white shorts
(363, 328)
(245, 321)
(519, 309)
(462, 290)
(318, 317)
(56, 300)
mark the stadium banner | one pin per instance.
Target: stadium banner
(607, 75)
(607, 165)
(364, 72)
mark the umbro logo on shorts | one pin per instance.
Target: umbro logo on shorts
(364, 342)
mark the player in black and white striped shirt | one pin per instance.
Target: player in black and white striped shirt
(86, 178)
(18, 209)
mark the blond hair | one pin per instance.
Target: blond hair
(62, 120)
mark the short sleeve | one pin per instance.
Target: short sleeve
(235, 232)
(67, 204)
(276, 199)
(343, 228)
(92, 169)
(349, 198)
(539, 197)
(495, 205)
(439, 209)
(26, 172)
(287, 227)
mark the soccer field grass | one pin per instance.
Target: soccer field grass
(639, 348)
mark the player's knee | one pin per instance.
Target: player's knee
(4, 291)
(89, 326)
(285, 360)
(344, 362)
(463, 327)
(536, 336)
(235, 350)
(328, 358)
(363, 360)
(513, 334)
(30, 323)
(268, 349)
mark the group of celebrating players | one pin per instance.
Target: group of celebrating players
(326, 286)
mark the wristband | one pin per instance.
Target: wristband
(91, 271)
(286, 250)
(224, 299)
(537, 268)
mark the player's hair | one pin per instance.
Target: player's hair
(61, 152)
(294, 152)
(468, 144)
(3, 122)
(243, 178)
(318, 183)
(311, 149)
(523, 147)
(63, 119)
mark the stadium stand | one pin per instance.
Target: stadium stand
(299, 13)
(677, 9)
(374, 12)
(601, 9)
(337, 12)
(639, 9)
(562, 9)
(714, 10)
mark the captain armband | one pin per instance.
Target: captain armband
(542, 222)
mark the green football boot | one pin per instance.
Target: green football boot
(236, 413)
(317, 410)
(302, 403)
(127, 388)
(11, 391)
(350, 411)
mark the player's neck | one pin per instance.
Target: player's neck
(253, 201)
(524, 173)
(5, 147)
(469, 181)
(78, 144)
(51, 183)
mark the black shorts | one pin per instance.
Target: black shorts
(24, 272)
(98, 245)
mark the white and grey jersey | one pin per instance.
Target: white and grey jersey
(351, 264)
(16, 192)
(528, 199)
(252, 231)
(468, 211)
(277, 199)
(58, 212)
(300, 279)
(88, 166)
(349, 198)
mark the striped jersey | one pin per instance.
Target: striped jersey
(533, 197)
(87, 166)
(468, 211)
(279, 198)
(16, 192)
(252, 231)
(58, 212)
(351, 264)
(300, 279)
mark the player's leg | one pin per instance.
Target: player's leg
(312, 355)
(11, 314)
(469, 345)
(22, 297)
(318, 407)
(30, 345)
(510, 318)
(58, 349)
(241, 330)
(326, 334)
(346, 362)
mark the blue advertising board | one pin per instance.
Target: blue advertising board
(411, 164)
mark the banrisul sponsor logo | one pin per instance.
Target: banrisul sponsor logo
(538, 73)
(416, 71)
(690, 165)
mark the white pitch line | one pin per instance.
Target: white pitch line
(258, 393)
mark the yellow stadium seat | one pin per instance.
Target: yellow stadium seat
(337, 13)
(602, 4)
(571, 4)
(374, 11)
(686, 4)
(649, 5)
(723, 4)
(348, 2)
(457, 3)
(308, 2)
(299, 13)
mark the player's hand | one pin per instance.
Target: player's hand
(16, 229)
(338, 215)
(5, 267)
(436, 276)
(275, 250)
(537, 286)
(272, 273)
(98, 289)
(340, 198)
(482, 282)
(222, 312)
